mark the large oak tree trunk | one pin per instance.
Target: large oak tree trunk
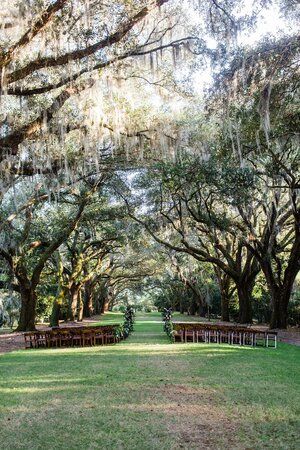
(193, 308)
(224, 282)
(88, 307)
(181, 307)
(224, 306)
(73, 302)
(97, 305)
(280, 301)
(281, 291)
(105, 305)
(80, 306)
(244, 291)
(28, 306)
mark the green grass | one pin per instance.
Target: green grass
(148, 394)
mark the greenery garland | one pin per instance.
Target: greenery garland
(168, 325)
(128, 321)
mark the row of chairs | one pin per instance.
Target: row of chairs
(72, 337)
(229, 336)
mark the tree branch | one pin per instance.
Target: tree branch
(75, 55)
(37, 26)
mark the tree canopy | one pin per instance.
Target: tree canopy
(150, 150)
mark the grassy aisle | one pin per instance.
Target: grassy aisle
(147, 394)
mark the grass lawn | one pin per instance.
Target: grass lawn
(146, 393)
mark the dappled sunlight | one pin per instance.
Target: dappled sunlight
(55, 380)
(129, 348)
(35, 390)
(149, 321)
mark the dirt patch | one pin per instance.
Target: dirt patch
(195, 418)
(11, 341)
(290, 336)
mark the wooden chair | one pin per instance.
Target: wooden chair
(201, 335)
(88, 337)
(213, 336)
(40, 339)
(236, 337)
(29, 339)
(248, 338)
(190, 335)
(99, 337)
(52, 338)
(109, 338)
(179, 335)
(260, 338)
(65, 338)
(77, 337)
(224, 336)
(271, 339)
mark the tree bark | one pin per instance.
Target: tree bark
(224, 305)
(193, 308)
(97, 305)
(244, 291)
(280, 301)
(88, 308)
(224, 283)
(73, 302)
(181, 307)
(281, 289)
(80, 306)
(105, 306)
(28, 305)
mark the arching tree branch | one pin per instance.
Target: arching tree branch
(75, 55)
(36, 27)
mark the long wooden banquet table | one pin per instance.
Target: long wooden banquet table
(221, 333)
(78, 336)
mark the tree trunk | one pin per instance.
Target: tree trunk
(280, 291)
(224, 282)
(105, 305)
(280, 301)
(181, 307)
(80, 304)
(97, 305)
(193, 308)
(88, 308)
(202, 310)
(55, 313)
(28, 305)
(244, 292)
(224, 306)
(73, 302)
